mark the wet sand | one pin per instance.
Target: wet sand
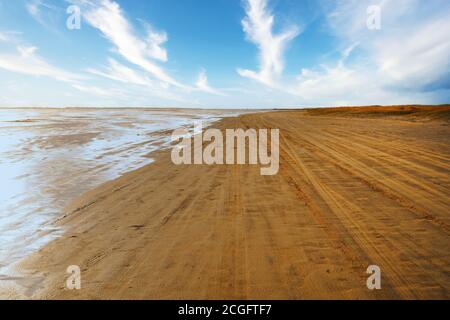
(352, 191)
(50, 156)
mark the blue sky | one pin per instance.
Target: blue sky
(224, 53)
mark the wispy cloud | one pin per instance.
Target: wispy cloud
(421, 59)
(121, 73)
(4, 37)
(97, 90)
(44, 13)
(401, 63)
(337, 85)
(118, 72)
(412, 48)
(155, 40)
(27, 61)
(406, 61)
(258, 27)
(107, 16)
(10, 37)
(33, 8)
(203, 85)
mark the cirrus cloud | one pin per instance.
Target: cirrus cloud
(203, 85)
(27, 61)
(107, 16)
(258, 27)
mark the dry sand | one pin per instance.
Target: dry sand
(351, 191)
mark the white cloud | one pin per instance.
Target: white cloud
(97, 91)
(119, 72)
(34, 10)
(26, 61)
(203, 85)
(107, 16)
(328, 82)
(406, 61)
(339, 85)
(396, 64)
(412, 48)
(258, 27)
(421, 58)
(155, 40)
(3, 37)
(9, 36)
(44, 13)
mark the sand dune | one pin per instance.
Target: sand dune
(413, 112)
(350, 192)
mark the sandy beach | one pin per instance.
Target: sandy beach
(50, 156)
(356, 187)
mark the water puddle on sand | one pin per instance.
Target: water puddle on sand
(50, 156)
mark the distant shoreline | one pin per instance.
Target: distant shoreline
(444, 105)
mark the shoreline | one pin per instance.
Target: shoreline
(53, 136)
(225, 232)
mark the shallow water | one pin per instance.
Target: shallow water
(50, 156)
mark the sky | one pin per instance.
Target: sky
(223, 53)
